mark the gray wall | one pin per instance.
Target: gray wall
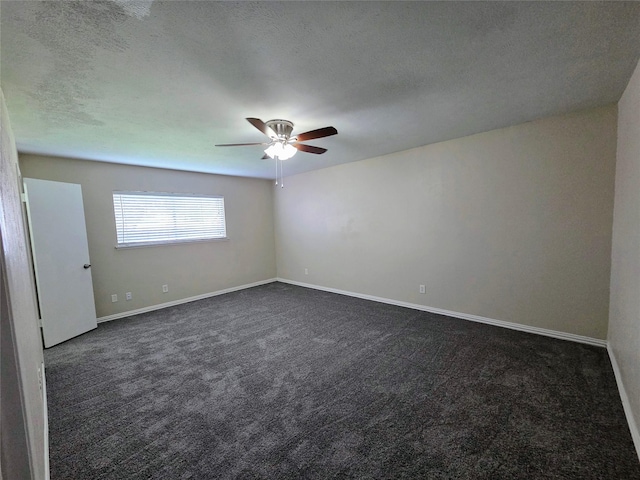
(513, 224)
(624, 318)
(190, 269)
(21, 402)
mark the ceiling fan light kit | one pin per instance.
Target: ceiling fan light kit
(281, 150)
(282, 146)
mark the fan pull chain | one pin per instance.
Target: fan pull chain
(281, 172)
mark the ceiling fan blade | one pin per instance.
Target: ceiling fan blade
(319, 133)
(309, 148)
(239, 144)
(260, 125)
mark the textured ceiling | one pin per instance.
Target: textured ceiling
(158, 83)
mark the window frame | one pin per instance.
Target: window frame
(153, 243)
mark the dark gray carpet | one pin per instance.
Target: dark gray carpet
(283, 382)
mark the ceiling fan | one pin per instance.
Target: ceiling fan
(281, 144)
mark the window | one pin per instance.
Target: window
(151, 218)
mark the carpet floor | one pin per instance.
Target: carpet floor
(284, 382)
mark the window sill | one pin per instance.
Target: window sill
(125, 246)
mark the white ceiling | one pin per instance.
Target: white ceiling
(158, 83)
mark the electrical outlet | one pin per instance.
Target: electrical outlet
(114, 298)
(423, 289)
(306, 271)
(129, 296)
(165, 288)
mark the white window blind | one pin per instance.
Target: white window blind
(148, 218)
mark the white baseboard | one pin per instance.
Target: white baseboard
(160, 306)
(633, 427)
(464, 316)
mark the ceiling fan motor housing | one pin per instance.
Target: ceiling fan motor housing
(282, 128)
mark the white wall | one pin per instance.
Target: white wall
(513, 224)
(190, 269)
(21, 401)
(624, 316)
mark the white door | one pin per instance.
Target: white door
(61, 259)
